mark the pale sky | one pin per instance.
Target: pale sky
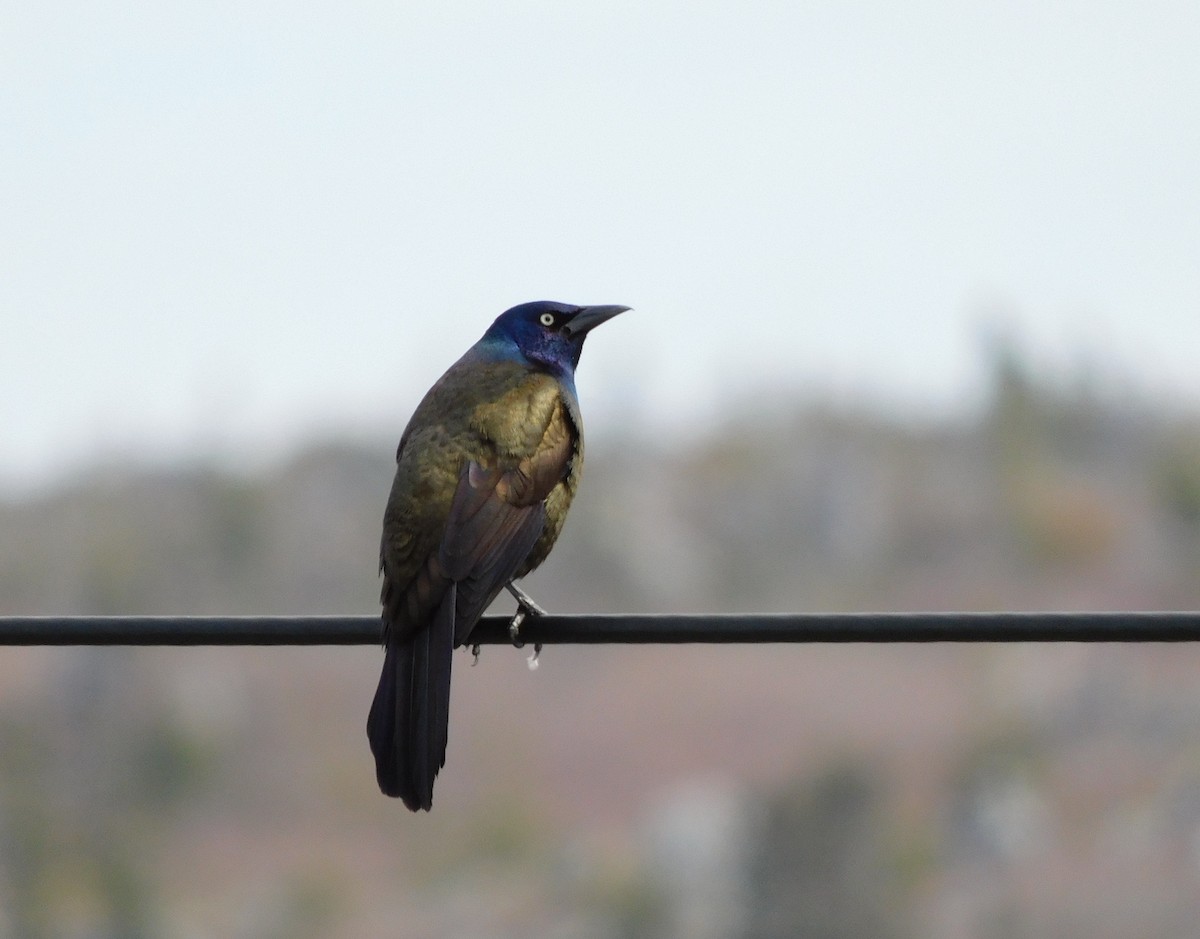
(230, 227)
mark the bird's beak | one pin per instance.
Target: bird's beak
(589, 317)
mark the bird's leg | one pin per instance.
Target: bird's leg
(525, 602)
(525, 607)
(475, 655)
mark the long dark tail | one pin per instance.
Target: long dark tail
(410, 715)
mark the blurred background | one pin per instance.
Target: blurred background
(917, 315)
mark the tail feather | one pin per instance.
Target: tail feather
(410, 716)
(441, 657)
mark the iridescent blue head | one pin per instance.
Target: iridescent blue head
(546, 334)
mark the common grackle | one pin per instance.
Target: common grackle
(485, 472)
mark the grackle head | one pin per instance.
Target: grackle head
(547, 333)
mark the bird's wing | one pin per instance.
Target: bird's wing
(495, 520)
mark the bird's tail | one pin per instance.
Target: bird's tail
(410, 715)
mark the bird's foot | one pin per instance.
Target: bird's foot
(525, 607)
(474, 655)
(514, 628)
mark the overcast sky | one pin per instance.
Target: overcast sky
(231, 227)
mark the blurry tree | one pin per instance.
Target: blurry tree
(87, 785)
(1177, 488)
(819, 866)
(1054, 447)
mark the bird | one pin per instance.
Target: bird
(485, 472)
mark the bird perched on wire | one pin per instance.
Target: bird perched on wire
(485, 472)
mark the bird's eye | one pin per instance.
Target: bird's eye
(547, 319)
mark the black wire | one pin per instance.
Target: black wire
(588, 629)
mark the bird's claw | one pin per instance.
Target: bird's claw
(514, 628)
(525, 607)
(475, 654)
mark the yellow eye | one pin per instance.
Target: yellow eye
(547, 319)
